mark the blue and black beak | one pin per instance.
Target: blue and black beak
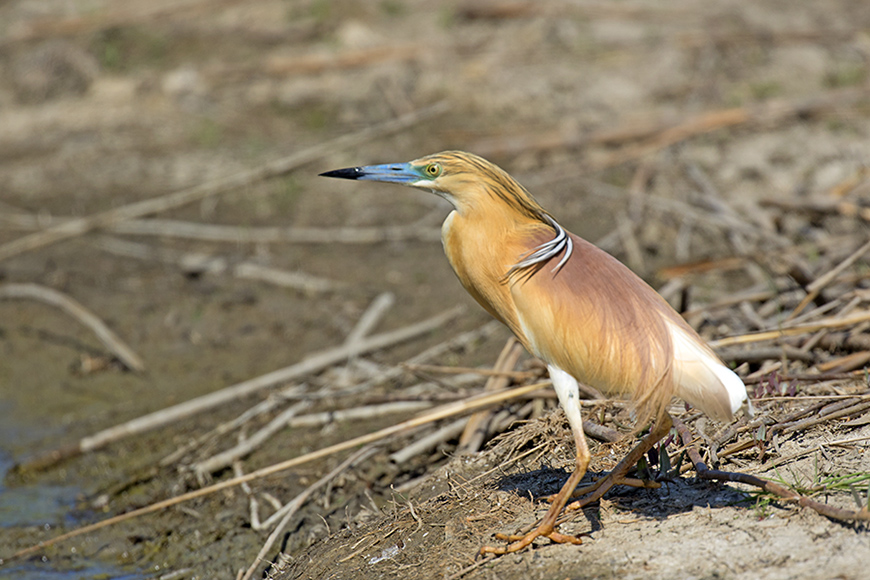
(403, 173)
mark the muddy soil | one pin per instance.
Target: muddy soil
(105, 104)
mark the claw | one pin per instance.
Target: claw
(518, 542)
(591, 493)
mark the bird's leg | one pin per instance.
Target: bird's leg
(602, 486)
(569, 395)
(547, 527)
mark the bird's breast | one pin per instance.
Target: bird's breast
(481, 253)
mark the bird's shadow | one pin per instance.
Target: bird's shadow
(677, 495)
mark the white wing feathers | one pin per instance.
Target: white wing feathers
(702, 380)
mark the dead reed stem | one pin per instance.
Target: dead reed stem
(765, 485)
(110, 340)
(80, 226)
(290, 509)
(451, 409)
(311, 364)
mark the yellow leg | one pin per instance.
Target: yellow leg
(568, 392)
(547, 527)
(602, 486)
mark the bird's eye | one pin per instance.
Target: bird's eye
(433, 169)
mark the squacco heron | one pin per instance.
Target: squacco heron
(585, 314)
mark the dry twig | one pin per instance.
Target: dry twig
(80, 226)
(354, 58)
(301, 281)
(475, 430)
(452, 409)
(195, 263)
(249, 444)
(774, 488)
(290, 509)
(451, 370)
(288, 419)
(818, 285)
(272, 235)
(424, 444)
(118, 347)
(371, 317)
(797, 330)
(167, 228)
(92, 21)
(312, 364)
(642, 139)
(259, 409)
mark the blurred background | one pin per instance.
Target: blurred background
(669, 133)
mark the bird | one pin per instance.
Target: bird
(574, 306)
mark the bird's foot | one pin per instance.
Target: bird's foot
(587, 494)
(519, 542)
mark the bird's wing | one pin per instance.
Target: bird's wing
(700, 377)
(597, 320)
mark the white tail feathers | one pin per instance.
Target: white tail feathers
(702, 380)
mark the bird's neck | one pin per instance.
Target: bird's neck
(503, 206)
(482, 247)
(494, 228)
(487, 234)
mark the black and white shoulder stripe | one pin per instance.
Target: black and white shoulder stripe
(547, 250)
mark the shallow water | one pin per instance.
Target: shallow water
(23, 507)
(32, 505)
(46, 571)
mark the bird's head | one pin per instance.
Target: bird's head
(464, 179)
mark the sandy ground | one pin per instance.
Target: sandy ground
(103, 105)
(687, 529)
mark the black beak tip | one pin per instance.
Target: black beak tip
(349, 173)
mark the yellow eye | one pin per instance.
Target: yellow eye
(433, 170)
